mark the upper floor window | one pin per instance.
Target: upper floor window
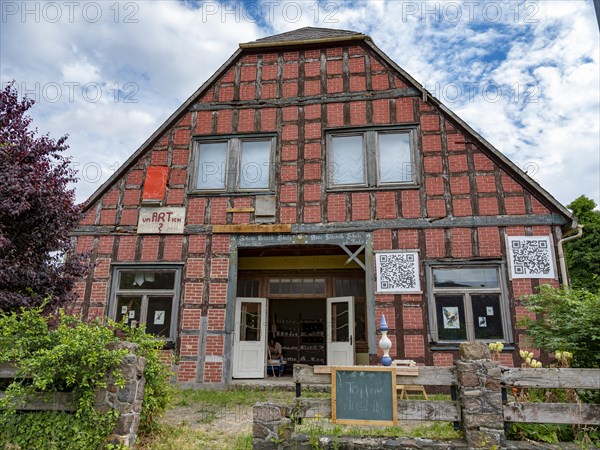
(371, 158)
(236, 164)
(468, 303)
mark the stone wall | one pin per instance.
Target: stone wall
(480, 394)
(127, 400)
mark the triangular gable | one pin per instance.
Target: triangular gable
(313, 36)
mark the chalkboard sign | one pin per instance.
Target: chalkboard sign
(364, 395)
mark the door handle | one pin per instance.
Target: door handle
(350, 339)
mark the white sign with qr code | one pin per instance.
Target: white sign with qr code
(398, 272)
(531, 257)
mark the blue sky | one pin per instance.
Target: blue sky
(525, 74)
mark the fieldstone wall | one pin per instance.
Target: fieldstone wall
(480, 394)
(271, 427)
(127, 400)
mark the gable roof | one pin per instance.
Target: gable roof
(305, 36)
(311, 35)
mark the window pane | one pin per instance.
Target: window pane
(247, 288)
(147, 280)
(129, 307)
(486, 316)
(348, 164)
(254, 166)
(212, 158)
(285, 286)
(308, 286)
(158, 321)
(296, 286)
(476, 277)
(319, 286)
(394, 158)
(273, 286)
(250, 322)
(450, 313)
(339, 322)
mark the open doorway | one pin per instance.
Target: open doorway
(316, 302)
(299, 326)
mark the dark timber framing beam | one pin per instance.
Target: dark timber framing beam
(307, 100)
(365, 225)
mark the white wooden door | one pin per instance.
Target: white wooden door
(249, 347)
(340, 331)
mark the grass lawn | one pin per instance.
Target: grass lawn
(222, 420)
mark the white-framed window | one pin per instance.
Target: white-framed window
(468, 302)
(371, 158)
(147, 296)
(233, 164)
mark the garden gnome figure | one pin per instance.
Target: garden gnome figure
(384, 343)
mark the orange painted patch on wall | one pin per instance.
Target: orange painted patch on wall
(156, 183)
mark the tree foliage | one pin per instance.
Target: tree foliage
(568, 319)
(37, 211)
(583, 254)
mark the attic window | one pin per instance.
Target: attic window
(371, 158)
(237, 164)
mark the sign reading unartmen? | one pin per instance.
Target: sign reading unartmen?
(161, 221)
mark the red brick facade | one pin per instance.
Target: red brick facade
(298, 94)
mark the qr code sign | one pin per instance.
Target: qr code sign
(398, 272)
(531, 257)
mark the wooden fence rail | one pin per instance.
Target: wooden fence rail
(479, 404)
(450, 411)
(551, 378)
(56, 401)
(428, 376)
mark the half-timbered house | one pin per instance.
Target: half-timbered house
(308, 187)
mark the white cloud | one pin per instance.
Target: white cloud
(146, 58)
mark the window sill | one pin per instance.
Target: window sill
(168, 345)
(229, 194)
(440, 347)
(375, 188)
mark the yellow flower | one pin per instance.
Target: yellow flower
(530, 355)
(522, 354)
(528, 360)
(558, 354)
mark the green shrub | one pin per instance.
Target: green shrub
(568, 319)
(63, 354)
